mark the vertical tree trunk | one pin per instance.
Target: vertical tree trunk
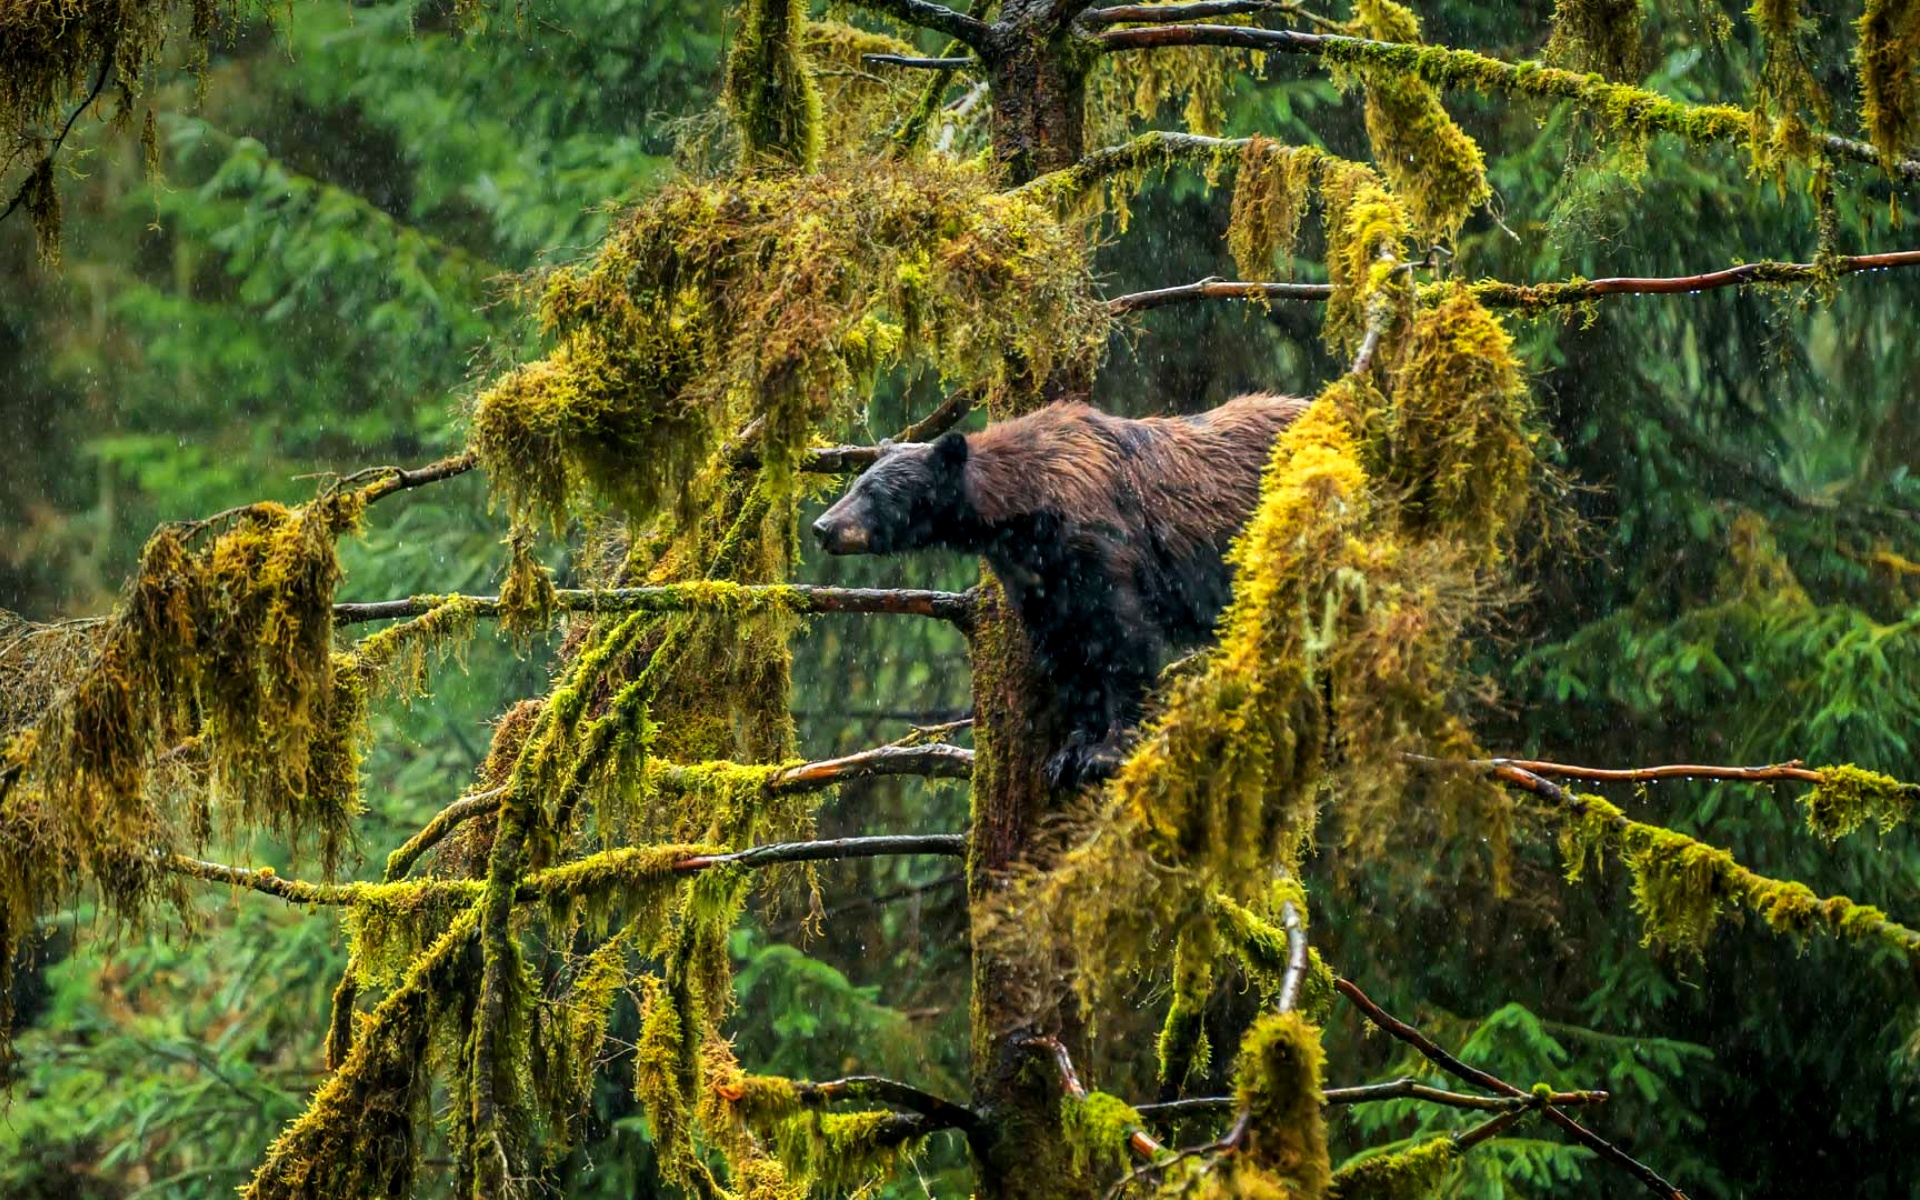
(1037, 75)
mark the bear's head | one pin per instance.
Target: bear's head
(913, 497)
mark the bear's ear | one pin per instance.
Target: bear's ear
(950, 449)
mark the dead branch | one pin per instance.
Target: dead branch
(1165, 14)
(1776, 772)
(400, 479)
(957, 63)
(1433, 1053)
(938, 17)
(1219, 289)
(1138, 1140)
(1396, 1089)
(956, 607)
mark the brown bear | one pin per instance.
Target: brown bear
(1109, 534)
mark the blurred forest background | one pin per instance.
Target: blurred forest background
(326, 259)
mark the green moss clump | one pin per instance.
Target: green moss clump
(1278, 1085)
(395, 660)
(1847, 797)
(1889, 47)
(1096, 1129)
(769, 88)
(527, 596)
(1435, 168)
(1410, 1174)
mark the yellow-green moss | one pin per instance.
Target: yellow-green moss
(395, 660)
(1409, 1174)
(764, 298)
(1183, 1048)
(1847, 797)
(527, 595)
(1278, 1085)
(1096, 1130)
(1271, 185)
(1598, 37)
(1436, 170)
(1889, 32)
(769, 88)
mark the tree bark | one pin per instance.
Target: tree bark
(1037, 74)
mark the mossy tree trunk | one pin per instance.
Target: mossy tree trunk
(1037, 79)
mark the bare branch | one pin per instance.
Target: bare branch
(1776, 772)
(956, 607)
(1433, 1053)
(944, 1113)
(1219, 289)
(959, 63)
(1396, 1089)
(1545, 295)
(1138, 1140)
(937, 17)
(1167, 14)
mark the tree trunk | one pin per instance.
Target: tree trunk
(1037, 75)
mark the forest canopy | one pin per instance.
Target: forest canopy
(432, 764)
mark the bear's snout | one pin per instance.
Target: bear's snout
(838, 536)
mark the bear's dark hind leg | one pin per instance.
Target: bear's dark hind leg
(1105, 710)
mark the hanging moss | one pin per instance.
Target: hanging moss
(527, 596)
(1786, 92)
(1278, 1086)
(769, 89)
(395, 660)
(1141, 85)
(1367, 233)
(1096, 1130)
(1435, 168)
(1271, 186)
(1847, 798)
(1889, 32)
(776, 299)
(1456, 442)
(1183, 1038)
(1410, 1174)
(860, 109)
(1598, 37)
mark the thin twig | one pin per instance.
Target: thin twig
(46, 161)
(958, 63)
(1219, 289)
(1432, 1052)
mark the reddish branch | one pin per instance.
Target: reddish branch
(956, 607)
(1166, 14)
(1139, 1140)
(1219, 289)
(1770, 774)
(1433, 1053)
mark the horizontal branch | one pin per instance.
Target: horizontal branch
(1168, 14)
(1577, 291)
(938, 17)
(1535, 297)
(946, 1113)
(936, 759)
(1768, 774)
(1397, 1089)
(568, 879)
(731, 599)
(1433, 1053)
(1629, 107)
(958, 63)
(1219, 289)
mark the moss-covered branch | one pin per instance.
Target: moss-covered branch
(1173, 14)
(1682, 885)
(1539, 1097)
(732, 599)
(389, 480)
(943, 1113)
(1630, 110)
(627, 864)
